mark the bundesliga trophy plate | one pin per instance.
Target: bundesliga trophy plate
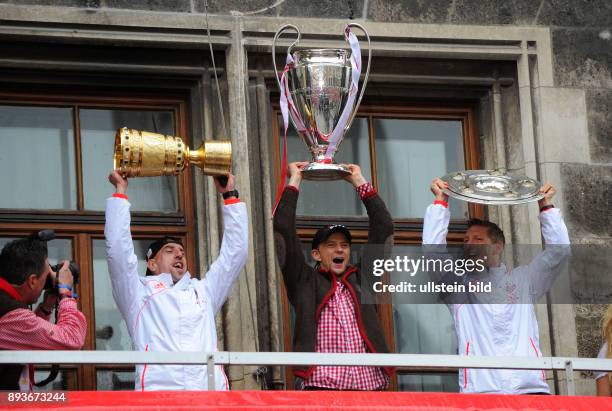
(492, 187)
(319, 94)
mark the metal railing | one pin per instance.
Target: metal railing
(402, 362)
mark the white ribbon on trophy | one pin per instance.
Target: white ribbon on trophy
(338, 132)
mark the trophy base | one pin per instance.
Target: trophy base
(324, 172)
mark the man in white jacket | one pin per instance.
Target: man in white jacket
(509, 327)
(168, 310)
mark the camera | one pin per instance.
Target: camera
(48, 235)
(74, 269)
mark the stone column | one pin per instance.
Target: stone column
(239, 316)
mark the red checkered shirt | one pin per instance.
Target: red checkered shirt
(338, 332)
(23, 329)
(366, 190)
(27, 330)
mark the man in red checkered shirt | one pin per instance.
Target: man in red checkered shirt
(24, 269)
(330, 315)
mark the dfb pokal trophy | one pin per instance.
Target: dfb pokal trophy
(318, 90)
(144, 154)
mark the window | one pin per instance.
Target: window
(401, 149)
(423, 329)
(146, 194)
(38, 151)
(57, 151)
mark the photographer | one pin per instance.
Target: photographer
(24, 269)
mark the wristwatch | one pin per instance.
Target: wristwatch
(232, 193)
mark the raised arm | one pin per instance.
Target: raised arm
(437, 215)
(435, 230)
(288, 246)
(120, 256)
(547, 265)
(380, 230)
(234, 247)
(380, 223)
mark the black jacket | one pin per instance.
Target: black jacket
(309, 289)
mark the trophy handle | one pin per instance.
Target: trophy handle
(279, 32)
(367, 73)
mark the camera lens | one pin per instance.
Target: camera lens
(74, 269)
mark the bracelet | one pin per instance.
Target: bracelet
(546, 207)
(65, 286)
(441, 202)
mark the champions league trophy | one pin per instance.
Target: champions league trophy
(319, 94)
(144, 154)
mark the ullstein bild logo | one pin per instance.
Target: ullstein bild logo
(432, 287)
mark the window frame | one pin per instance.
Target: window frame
(83, 100)
(83, 226)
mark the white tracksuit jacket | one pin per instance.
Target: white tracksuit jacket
(161, 316)
(504, 329)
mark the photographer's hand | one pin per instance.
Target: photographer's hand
(120, 183)
(49, 302)
(64, 277)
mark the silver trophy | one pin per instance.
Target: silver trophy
(492, 187)
(319, 95)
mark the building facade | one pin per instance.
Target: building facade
(524, 86)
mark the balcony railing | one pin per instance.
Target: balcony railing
(402, 362)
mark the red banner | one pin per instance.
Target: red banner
(305, 400)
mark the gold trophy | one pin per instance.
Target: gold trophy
(144, 154)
